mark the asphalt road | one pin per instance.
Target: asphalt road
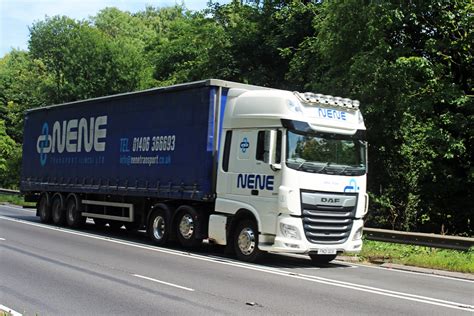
(46, 270)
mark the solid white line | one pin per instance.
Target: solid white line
(163, 282)
(223, 261)
(9, 311)
(2, 239)
(411, 272)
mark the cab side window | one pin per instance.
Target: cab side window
(263, 147)
(225, 160)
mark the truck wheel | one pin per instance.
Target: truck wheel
(187, 227)
(44, 209)
(246, 241)
(158, 227)
(59, 213)
(73, 214)
(322, 259)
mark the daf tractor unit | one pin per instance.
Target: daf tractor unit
(253, 168)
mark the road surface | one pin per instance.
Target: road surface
(47, 270)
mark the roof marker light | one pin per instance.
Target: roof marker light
(328, 100)
(347, 102)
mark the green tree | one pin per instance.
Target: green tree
(23, 82)
(85, 61)
(10, 154)
(194, 48)
(263, 37)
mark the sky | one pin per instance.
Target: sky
(17, 15)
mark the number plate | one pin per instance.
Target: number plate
(327, 251)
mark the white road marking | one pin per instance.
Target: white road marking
(411, 272)
(2, 239)
(9, 311)
(163, 282)
(348, 285)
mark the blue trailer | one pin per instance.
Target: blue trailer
(157, 143)
(208, 159)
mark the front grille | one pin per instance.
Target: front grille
(328, 217)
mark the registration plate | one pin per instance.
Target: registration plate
(327, 251)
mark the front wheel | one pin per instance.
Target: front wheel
(322, 259)
(246, 241)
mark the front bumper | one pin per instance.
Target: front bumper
(301, 245)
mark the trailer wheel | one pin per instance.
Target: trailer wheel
(158, 227)
(73, 214)
(58, 211)
(44, 209)
(246, 241)
(322, 259)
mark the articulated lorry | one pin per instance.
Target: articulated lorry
(252, 168)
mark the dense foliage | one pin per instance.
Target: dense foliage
(410, 64)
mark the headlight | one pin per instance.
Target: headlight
(289, 231)
(358, 234)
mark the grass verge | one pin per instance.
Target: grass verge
(15, 199)
(418, 256)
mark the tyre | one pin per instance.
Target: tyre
(99, 222)
(44, 209)
(158, 227)
(322, 259)
(188, 225)
(73, 214)
(246, 241)
(58, 211)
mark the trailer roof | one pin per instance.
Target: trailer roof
(176, 87)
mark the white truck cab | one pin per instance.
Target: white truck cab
(295, 165)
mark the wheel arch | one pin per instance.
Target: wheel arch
(201, 216)
(159, 206)
(241, 214)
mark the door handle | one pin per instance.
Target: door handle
(254, 192)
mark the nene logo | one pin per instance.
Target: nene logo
(244, 145)
(72, 136)
(352, 187)
(255, 181)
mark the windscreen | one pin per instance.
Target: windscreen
(326, 153)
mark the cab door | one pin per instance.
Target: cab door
(250, 178)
